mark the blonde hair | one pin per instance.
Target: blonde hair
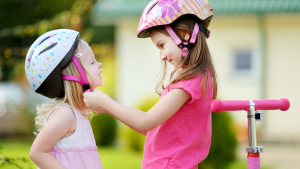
(73, 93)
(198, 59)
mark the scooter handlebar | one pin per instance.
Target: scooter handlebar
(236, 105)
(282, 104)
(231, 105)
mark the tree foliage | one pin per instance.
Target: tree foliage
(24, 12)
(22, 21)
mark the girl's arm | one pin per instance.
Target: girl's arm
(137, 130)
(62, 121)
(102, 110)
(137, 119)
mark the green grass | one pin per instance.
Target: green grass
(243, 165)
(111, 157)
(15, 150)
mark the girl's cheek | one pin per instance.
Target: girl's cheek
(96, 71)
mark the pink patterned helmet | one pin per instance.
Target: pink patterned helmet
(165, 12)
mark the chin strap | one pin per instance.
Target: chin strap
(185, 46)
(83, 80)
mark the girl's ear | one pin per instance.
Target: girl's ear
(185, 36)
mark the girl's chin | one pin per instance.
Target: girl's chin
(175, 67)
(100, 83)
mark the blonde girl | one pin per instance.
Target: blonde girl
(55, 67)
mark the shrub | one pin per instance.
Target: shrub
(223, 143)
(135, 140)
(104, 127)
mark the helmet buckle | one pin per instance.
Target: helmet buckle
(86, 86)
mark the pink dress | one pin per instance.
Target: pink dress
(183, 140)
(79, 150)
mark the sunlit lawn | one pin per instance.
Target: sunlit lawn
(111, 157)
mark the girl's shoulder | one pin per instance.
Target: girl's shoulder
(64, 112)
(62, 121)
(191, 82)
(193, 86)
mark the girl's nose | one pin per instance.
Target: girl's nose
(163, 57)
(99, 65)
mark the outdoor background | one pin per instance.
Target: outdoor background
(255, 49)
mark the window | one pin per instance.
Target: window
(242, 62)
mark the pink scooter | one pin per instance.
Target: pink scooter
(252, 107)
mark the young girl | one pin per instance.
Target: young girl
(178, 127)
(55, 67)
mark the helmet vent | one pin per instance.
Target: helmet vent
(46, 39)
(152, 7)
(48, 48)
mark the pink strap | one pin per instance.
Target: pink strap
(173, 35)
(179, 42)
(80, 70)
(195, 33)
(83, 79)
(71, 77)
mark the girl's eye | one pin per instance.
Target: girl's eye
(162, 45)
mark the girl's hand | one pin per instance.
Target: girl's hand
(94, 100)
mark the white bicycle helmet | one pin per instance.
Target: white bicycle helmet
(47, 57)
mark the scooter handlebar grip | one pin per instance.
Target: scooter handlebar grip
(253, 162)
(232, 105)
(282, 104)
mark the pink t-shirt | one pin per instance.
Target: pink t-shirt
(183, 140)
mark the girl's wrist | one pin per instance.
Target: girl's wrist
(103, 99)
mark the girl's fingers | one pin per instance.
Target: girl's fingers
(93, 100)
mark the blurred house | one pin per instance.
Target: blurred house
(17, 108)
(255, 48)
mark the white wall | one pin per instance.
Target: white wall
(283, 69)
(138, 64)
(229, 33)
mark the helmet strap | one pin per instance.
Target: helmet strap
(83, 80)
(185, 46)
(204, 30)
